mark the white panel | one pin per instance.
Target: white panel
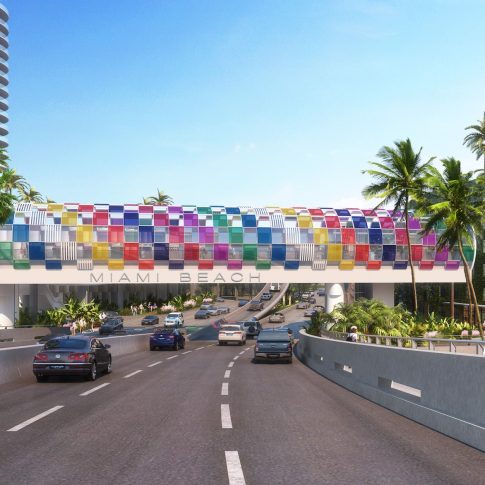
(68, 251)
(85, 264)
(292, 235)
(277, 220)
(52, 233)
(319, 265)
(261, 211)
(37, 218)
(306, 252)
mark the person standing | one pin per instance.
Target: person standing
(352, 336)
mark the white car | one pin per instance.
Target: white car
(232, 333)
(174, 319)
(266, 296)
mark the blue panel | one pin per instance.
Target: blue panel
(264, 235)
(388, 252)
(400, 265)
(375, 225)
(20, 233)
(278, 252)
(375, 236)
(342, 212)
(292, 264)
(359, 222)
(248, 220)
(161, 252)
(53, 264)
(116, 208)
(176, 265)
(37, 251)
(131, 219)
(233, 210)
(146, 234)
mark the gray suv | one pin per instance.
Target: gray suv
(251, 327)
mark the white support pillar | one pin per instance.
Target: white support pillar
(9, 305)
(334, 294)
(383, 292)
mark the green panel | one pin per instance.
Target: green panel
(263, 265)
(5, 251)
(236, 235)
(21, 264)
(250, 252)
(204, 210)
(145, 222)
(468, 250)
(220, 220)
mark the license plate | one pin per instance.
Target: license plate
(229, 334)
(273, 356)
(57, 366)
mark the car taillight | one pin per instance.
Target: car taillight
(78, 356)
(237, 332)
(41, 356)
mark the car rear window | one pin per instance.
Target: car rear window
(173, 315)
(273, 337)
(71, 343)
(230, 328)
(164, 331)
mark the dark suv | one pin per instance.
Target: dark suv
(251, 327)
(111, 325)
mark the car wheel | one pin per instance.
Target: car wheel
(41, 378)
(108, 369)
(93, 372)
(219, 343)
(152, 348)
(244, 343)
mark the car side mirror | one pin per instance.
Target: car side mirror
(107, 346)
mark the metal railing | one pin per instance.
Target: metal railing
(455, 345)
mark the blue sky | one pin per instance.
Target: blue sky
(236, 102)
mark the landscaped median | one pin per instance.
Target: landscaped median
(443, 391)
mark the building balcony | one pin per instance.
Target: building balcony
(3, 92)
(4, 67)
(3, 79)
(3, 130)
(3, 105)
(3, 142)
(3, 40)
(3, 117)
(3, 54)
(3, 26)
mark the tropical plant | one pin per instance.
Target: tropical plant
(29, 194)
(159, 199)
(4, 160)
(399, 179)
(476, 139)
(6, 206)
(178, 302)
(10, 181)
(455, 199)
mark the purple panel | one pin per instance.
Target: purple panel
(206, 235)
(429, 240)
(221, 252)
(452, 265)
(414, 223)
(191, 220)
(117, 221)
(441, 255)
(234, 264)
(175, 209)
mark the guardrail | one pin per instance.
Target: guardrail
(457, 345)
(440, 390)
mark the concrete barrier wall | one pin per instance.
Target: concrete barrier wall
(16, 362)
(443, 391)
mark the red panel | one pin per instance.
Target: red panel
(161, 219)
(386, 222)
(131, 252)
(176, 234)
(145, 209)
(86, 208)
(426, 265)
(401, 238)
(146, 264)
(206, 264)
(374, 265)
(362, 252)
(369, 212)
(417, 253)
(333, 222)
(100, 218)
(348, 236)
(115, 234)
(234, 265)
(191, 252)
(315, 212)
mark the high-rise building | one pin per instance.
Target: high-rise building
(3, 76)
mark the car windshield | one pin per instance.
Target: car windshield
(65, 343)
(230, 328)
(173, 315)
(165, 331)
(273, 336)
(110, 321)
(248, 324)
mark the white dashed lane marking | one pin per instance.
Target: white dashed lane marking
(200, 348)
(35, 418)
(132, 374)
(188, 352)
(155, 363)
(173, 357)
(242, 352)
(234, 469)
(235, 358)
(225, 389)
(231, 364)
(226, 416)
(94, 389)
(227, 374)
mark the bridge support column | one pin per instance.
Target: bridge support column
(384, 292)
(334, 294)
(9, 305)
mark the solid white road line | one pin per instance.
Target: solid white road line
(231, 364)
(155, 363)
(188, 352)
(35, 418)
(234, 469)
(225, 389)
(94, 389)
(132, 374)
(173, 357)
(200, 348)
(226, 416)
(242, 352)
(235, 358)
(227, 374)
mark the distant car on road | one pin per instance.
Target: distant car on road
(202, 314)
(219, 299)
(319, 308)
(256, 305)
(266, 296)
(277, 317)
(224, 309)
(273, 345)
(251, 327)
(110, 314)
(274, 287)
(111, 325)
(174, 319)
(167, 337)
(310, 312)
(150, 320)
(302, 305)
(72, 356)
(231, 333)
(242, 302)
(305, 296)
(321, 292)
(312, 300)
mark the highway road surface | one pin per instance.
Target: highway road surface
(208, 415)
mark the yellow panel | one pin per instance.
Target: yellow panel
(320, 235)
(100, 251)
(305, 221)
(334, 252)
(114, 264)
(84, 234)
(55, 207)
(346, 265)
(69, 219)
(288, 211)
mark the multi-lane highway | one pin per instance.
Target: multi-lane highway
(208, 415)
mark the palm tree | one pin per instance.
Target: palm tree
(455, 199)
(6, 205)
(159, 199)
(29, 194)
(10, 181)
(476, 140)
(4, 159)
(400, 179)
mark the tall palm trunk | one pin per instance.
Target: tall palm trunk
(410, 258)
(471, 289)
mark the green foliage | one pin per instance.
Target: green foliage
(320, 321)
(178, 302)
(25, 318)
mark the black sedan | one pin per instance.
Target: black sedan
(202, 314)
(67, 356)
(111, 325)
(167, 338)
(150, 320)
